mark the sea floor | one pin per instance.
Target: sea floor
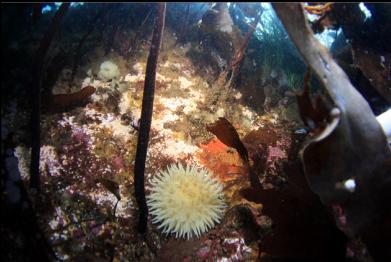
(87, 208)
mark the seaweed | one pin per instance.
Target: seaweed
(146, 117)
(224, 131)
(352, 146)
(236, 62)
(62, 102)
(36, 94)
(132, 46)
(90, 29)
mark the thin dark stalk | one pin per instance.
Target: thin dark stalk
(146, 117)
(79, 47)
(132, 48)
(39, 60)
(235, 65)
(182, 32)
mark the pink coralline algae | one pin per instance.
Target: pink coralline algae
(49, 161)
(267, 147)
(275, 153)
(118, 162)
(340, 216)
(80, 162)
(203, 253)
(79, 135)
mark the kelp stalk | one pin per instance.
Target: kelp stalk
(39, 60)
(146, 117)
(236, 62)
(182, 32)
(132, 47)
(90, 29)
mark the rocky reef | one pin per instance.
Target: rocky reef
(91, 91)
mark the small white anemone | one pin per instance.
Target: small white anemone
(108, 70)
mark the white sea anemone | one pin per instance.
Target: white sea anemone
(186, 201)
(108, 70)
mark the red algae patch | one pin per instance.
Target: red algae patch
(222, 160)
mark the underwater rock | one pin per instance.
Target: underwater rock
(218, 39)
(232, 241)
(128, 119)
(248, 219)
(371, 85)
(98, 142)
(218, 18)
(12, 178)
(268, 151)
(376, 67)
(297, 219)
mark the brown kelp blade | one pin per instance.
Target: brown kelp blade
(353, 143)
(111, 186)
(227, 134)
(62, 102)
(313, 115)
(352, 147)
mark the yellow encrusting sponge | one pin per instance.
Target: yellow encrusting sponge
(186, 201)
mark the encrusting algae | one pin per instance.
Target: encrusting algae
(221, 172)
